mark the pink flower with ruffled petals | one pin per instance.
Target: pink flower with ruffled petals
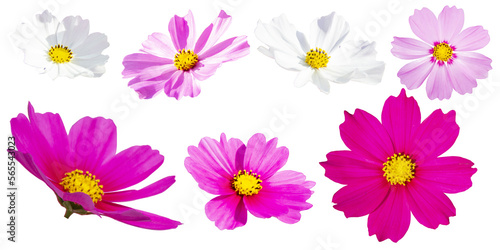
(393, 168)
(445, 56)
(246, 178)
(174, 64)
(84, 170)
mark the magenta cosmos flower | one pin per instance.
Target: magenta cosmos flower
(173, 64)
(83, 169)
(445, 56)
(246, 178)
(393, 168)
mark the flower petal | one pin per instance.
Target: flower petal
(451, 22)
(281, 35)
(472, 38)
(203, 71)
(450, 174)
(95, 65)
(146, 66)
(327, 32)
(424, 24)
(413, 74)
(348, 167)
(93, 46)
(262, 157)
(293, 196)
(225, 51)
(130, 195)
(160, 45)
(182, 84)
(182, 31)
(391, 219)
(303, 77)
(461, 76)
(290, 61)
(149, 88)
(268, 202)
(439, 83)
(477, 64)
(213, 32)
(401, 118)
(76, 30)
(409, 48)
(321, 81)
(227, 211)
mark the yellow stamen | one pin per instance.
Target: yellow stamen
(442, 52)
(246, 183)
(317, 58)
(399, 169)
(77, 181)
(185, 60)
(60, 54)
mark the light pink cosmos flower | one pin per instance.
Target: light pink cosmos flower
(83, 169)
(174, 64)
(445, 56)
(246, 178)
(393, 168)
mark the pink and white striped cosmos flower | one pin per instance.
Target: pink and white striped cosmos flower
(246, 178)
(445, 56)
(174, 64)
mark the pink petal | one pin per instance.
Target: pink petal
(363, 134)
(213, 32)
(136, 217)
(361, 198)
(181, 84)
(182, 31)
(227, 211)
(149, 88)
(225, 51)
(203, 71)
(290, 177)
(472, 38)
(348, 167)
(146, 66)
(409, 48)
(477, 64)
(268, 202)
(92, 141)
(461, 76)
(439, 83)
(451, 21)
(430, 206)
(401, 117)
(263, 158)
(450, 174)
(425, 25)
(413, 74)
(392, 219)
(130, 195)
(434, 136)
(128, 168)
(160, 45)
(235, 150)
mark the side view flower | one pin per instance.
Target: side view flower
(444, 56)
(84, 170)
(63, 48)
(174, 64)
(246, 178)
(394, 169)
(327, 56)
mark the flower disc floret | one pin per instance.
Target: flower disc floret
(442, 52)
(246, 183)
(185, 60)
(60, 54)
(399, 169)
(317, 58)
(78, 181)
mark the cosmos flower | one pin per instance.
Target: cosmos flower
(394, 168)
(174, 64)
(83, 169)
(326, 57)
(444, 56)
(63, 48)
(246, 178)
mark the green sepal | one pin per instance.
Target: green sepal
(72, 207)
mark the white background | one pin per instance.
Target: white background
(244, 97)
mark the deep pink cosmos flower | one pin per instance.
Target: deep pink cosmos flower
(173, 64)
(246, 177)
(393, 168)
(83, 169)
(445, 56)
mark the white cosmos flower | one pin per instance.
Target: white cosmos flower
(63, 48)
(326, 57)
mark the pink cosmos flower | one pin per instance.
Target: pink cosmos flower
(445, 56)
(393, 168)
(83, 169)
(246, 177)
(173, 64)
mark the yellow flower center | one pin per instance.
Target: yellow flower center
(185, 60)
(246, 183)
(317, 58)
(60, 54)
(442, 52)
(77, 181)
(399, 169)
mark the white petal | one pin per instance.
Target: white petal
(279, 35)
(75, 32)
(321, 82)
(93, 45)
(328, 32)
(71, 70)
(36, 55)
(265, 51)
(289, 61)
(94, 64)
(27, 33)
(303, 77)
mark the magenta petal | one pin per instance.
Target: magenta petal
(160, 45)
(434, 136)
(263, 157)
(203, 71)
(472, 38)
(477, 64)
(227, 211)
(439, 83)
(269, 202)
(401, 117)
(348, 167)
(430, 206)
(409, 48)
(425, 25)
(130, 195)
(213, 32)
(365, 135)
(413, 74)
(136, 217)
(182, 83)
(392, 219)
(225, 51)
(450, 174)
(361, 198)
(128, 167)
(146, 66)
(451, 22)
(182, 31)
